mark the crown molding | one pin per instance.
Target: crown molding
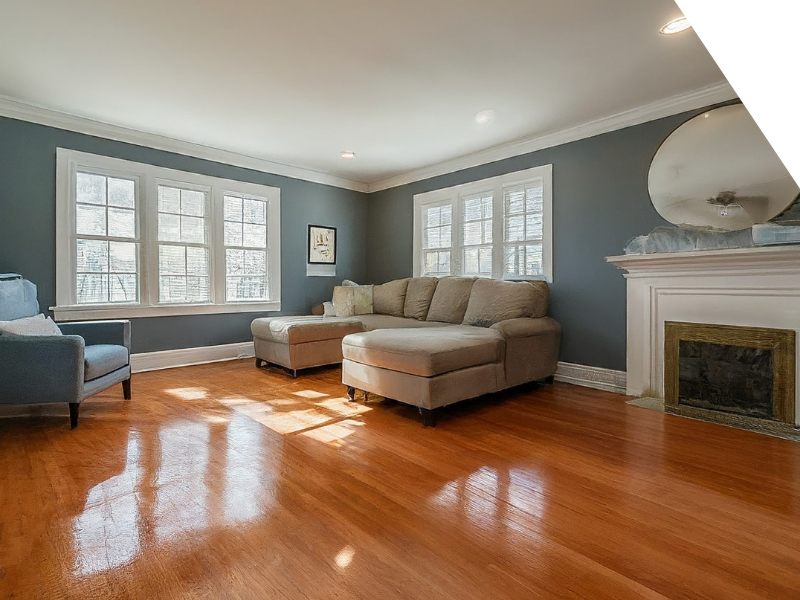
(16, 109)
(673, 105)
(23, 111)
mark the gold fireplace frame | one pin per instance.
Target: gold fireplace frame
(780, 341)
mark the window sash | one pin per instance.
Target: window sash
(245, 251)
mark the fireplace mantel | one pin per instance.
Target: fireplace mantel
(755, 287)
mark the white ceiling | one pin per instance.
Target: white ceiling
(296, 82)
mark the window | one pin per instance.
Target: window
(499, 227)
(138, 240)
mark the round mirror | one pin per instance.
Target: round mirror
(718, 171)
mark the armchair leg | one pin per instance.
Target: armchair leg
(351, 393)
(73, 414)
(126, 389)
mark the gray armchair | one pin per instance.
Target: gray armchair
(90, 357)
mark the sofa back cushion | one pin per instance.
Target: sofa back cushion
(492, 301)
(449, 303)
(390, 298)
(418, 297)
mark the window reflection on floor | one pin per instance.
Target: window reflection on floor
(106, 533)
(484, 497)
(181, 495)
(247, 486)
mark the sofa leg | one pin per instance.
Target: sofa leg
(73, 414)
(259, 362)
(351, 393)
(428, 417)
(550, 379)
(293, 373)
(126, 389)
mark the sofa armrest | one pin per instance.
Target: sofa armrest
(41, 369)
(100, 332)
(527, 327)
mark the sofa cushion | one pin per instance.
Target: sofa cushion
(424, 352)
(450, 299)
(492, 301)
(37, 325)
(418, 297)
(349, 300)
(299, 330)
(390, 298)
(389, 322)
(102, 359)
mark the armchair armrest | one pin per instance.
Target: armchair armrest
(41, 369)
(100, 332)
(527, 327)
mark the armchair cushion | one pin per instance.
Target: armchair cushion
(102, 359)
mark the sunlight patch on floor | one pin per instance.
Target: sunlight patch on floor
(189, 393)
(310, 394)
(335, 433)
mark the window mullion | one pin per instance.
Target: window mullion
(218, 254)
(498, 239)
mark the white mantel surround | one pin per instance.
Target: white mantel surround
(756, 287)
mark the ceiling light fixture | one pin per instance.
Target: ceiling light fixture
(348, 154)
(676, 26)
(484, 117)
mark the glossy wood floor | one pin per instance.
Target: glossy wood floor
(224, 481)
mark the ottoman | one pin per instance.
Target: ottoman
(427, 368)
(301, 342)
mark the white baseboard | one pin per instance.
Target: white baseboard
(593, 377)
(184, 357)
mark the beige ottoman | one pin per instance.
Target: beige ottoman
(427, 368)
(301, 342)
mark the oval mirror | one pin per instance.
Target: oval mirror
(718, 171)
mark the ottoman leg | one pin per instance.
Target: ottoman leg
(351, 393)
(428, 417)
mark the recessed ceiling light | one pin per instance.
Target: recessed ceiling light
(676, 26)
(348, 154)
(484, 117)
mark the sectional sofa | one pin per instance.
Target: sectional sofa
(423, 341)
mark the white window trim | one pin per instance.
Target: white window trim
(453, 194)
(147, 178)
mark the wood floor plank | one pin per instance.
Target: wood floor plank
(227, 481)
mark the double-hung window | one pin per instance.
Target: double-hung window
(138, 240)
(499, 228)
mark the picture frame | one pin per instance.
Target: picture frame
(322, 245)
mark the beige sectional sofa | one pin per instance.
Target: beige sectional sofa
(428, 342)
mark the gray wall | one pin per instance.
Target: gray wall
(600, 202)
(27, 229)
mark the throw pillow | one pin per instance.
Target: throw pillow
(390, 298)
(37, 325)
(492, 301)
(329, 310)
(352, 300)
(449, 303)
(418, 297)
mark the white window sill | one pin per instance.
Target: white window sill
(90, 313)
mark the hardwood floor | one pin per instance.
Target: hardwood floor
(223, 481)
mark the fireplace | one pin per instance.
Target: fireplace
(740, 372)
(749, 287)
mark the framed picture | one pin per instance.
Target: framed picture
(321, 245)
